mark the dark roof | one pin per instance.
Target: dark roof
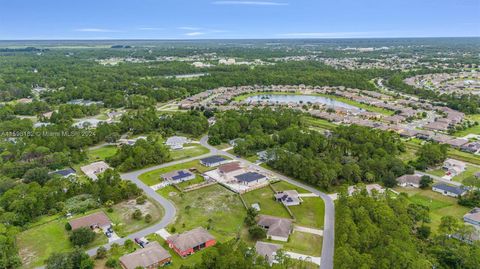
(182, 174)
(249, 177)
(213, 159)
(453, 189)
(65, 172)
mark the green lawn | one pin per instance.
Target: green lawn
(304, 243)
(319, 123)
(268, 205)
(437, 172)
(212, 206)
(153, 177)
(283, 186)
(198, 179)
(470, 171)
(189, 151)
(310, 213)
(40, 241)
(472, 130)
(123, 222)
(101, 153)
(439, 205)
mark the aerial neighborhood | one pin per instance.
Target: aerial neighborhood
(293, 152)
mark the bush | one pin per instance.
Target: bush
(257, 232)
(82, 236)
(137, 215)
(68, 227)
(112, 263)
(101, 253)
(148, 218)
(141, 200)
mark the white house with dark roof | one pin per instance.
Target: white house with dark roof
(473, 217)
(450, 190)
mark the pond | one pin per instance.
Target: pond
(300, 99)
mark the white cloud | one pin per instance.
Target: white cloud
(250, 3)
(149, 28)
(329, 34)
(95, 30)
(189, 28)
(195, 33)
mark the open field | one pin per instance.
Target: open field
(40, 241)
(283, 186)
(123, 222)
(318, 123)
(212, 207)
(153, 177)
(310, 213)
(470, 171)
(304, 243)
(101, 153)
(472, 130)
(439, 205)
(268, 205)
(189, 151)
(437, 172)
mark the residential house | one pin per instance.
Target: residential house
(250, 178)
(449, 190)
(191, 241)
(94, 169)
(471, 147)
(93, 221)
(288, 197)
(277, 228)
(267, 250)
(409, 181)
(457, 142)
(230, 169)
(454, 167)
(213, 161)
(473, 217)
(178, 176)
(176, 142)
(150, 257)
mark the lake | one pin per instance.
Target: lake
(299, 98)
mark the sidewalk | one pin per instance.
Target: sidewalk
(298, 256)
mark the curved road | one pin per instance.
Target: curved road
(328, 245)
(170, 211)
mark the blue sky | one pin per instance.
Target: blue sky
(202, 19)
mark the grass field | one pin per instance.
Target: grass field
(310, 213)
(470, 171)
(212, 206)
(439, 205)
(268, 206)
(318, 123)
(153, 177)
(472, 130)
(123, 222)
(304, 243)
(437, 172)
(39, 242)
(101, 153)
(283, 186)
(189, 151)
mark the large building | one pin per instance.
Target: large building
(94, 169)
(178, 176)
(95, 220)
(150, 257)
(190, 242)
(449, 190)
(277, 228)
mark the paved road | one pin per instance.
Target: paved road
(329, 223)
(168, 207)
(437, 178)
(170, 211)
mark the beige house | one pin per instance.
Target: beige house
(93, 169)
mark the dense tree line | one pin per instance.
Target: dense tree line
(142, 153)
(192, 122)
(467, 103)
(65, 113)
(380, 232)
